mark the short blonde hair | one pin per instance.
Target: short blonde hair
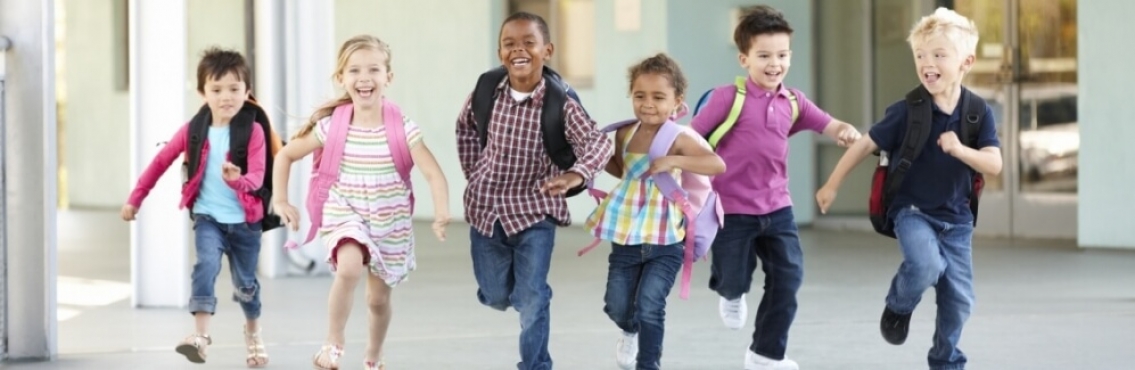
(956, 28)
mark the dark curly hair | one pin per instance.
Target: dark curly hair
(661, 64)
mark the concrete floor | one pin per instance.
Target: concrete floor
(1041, 305)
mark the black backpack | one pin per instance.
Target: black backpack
(240, 134)
(552, 123)
(920, 116)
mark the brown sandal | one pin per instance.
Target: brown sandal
(332, 353)
(257, 356)
(193, 347)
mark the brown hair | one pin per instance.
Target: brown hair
(661, 64)
(216, 63)
(360, 42)
(758, 20)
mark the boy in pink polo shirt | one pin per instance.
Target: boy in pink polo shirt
(754, 188)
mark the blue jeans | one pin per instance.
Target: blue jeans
(513, 271)
(772, 239)
(639, 278)
(937, 254)
(241, 242)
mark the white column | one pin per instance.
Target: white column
(159, 254)
(269, 90)
(310, 54)
(29, 182)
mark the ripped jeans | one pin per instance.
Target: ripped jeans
(241, 242)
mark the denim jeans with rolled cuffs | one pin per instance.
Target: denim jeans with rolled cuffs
(772, 240)
(241, 243)
(512, 271)
(937, 254)
(639, 278)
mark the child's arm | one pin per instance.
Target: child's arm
(690, 154)
(439, 189)
(158, 166)
(281, 171)
(592, 150)
(987, 160)
(468, 147)
(715, 111)
(844, 133)
(254, 178)
(615, 165)
(851, 158)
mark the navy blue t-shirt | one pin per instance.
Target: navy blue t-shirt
(938, 184)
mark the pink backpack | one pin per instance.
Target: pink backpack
(325, 164)
(695, 196)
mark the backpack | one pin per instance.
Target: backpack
(241, 133)
(552, 123)
(694, 196)
(885, 183)
(715, 136)
(325, 163)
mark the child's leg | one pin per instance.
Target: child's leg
(662, 265)
(783, 264)
(349, 268)
(922, 263)
(210, 246)
(378, 300)
(244, 255)
(955, 297)
(532, 258)
(624, 270)
(492, 267)
(733, 256)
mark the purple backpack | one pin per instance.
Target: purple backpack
(695, 197)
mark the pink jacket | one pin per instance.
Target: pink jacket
(244, 186)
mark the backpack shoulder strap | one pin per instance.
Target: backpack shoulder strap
(240, 133)
(794, 103)
(618, 125)
(484, 97)
(335, 141)
(920, 113)
(552, 122)
(734, 113)
(973, 110)
(195, 141)
(659, 147)
(396, 139)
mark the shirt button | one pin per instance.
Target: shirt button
(768, 94)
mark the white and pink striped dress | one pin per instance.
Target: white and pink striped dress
(370, 204)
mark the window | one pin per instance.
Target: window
(572, 24)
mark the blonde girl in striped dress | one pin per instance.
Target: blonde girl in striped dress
(366, 219)
(645, 230)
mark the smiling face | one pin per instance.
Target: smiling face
(365, 76)
(523, 50)
(768, 59)
(224, 96)
(939, 62)
(655, 98)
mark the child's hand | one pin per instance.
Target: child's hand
(441, 220)
(848, 136)
(663, 164)
(288, 214)
(950, 143)
(559, 185)
(128, 212)
(824, 198)
(230, 172)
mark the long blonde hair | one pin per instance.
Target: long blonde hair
(360, 42)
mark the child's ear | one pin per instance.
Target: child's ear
(968, 62)
(551, 48)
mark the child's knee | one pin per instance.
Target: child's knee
(247, 293)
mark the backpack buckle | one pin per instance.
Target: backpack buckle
(904, 164)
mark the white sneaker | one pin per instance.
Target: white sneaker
(626, 351)
(733, 312)
(754, 361)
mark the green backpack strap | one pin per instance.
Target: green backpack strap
(735, 111)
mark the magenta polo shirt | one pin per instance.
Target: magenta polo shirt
(755, 151)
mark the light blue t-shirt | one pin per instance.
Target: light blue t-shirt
(216, 198)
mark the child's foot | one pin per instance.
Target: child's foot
(626, 351)
(754, 361)
(328, 357)
(371, 365)
(193, 347)
(257, 356)
(894, 326)
(733, 312)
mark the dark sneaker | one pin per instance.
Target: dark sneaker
(894, 326)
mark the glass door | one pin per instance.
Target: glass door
(1026, 70)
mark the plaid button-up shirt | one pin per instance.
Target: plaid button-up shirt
(504, 178)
